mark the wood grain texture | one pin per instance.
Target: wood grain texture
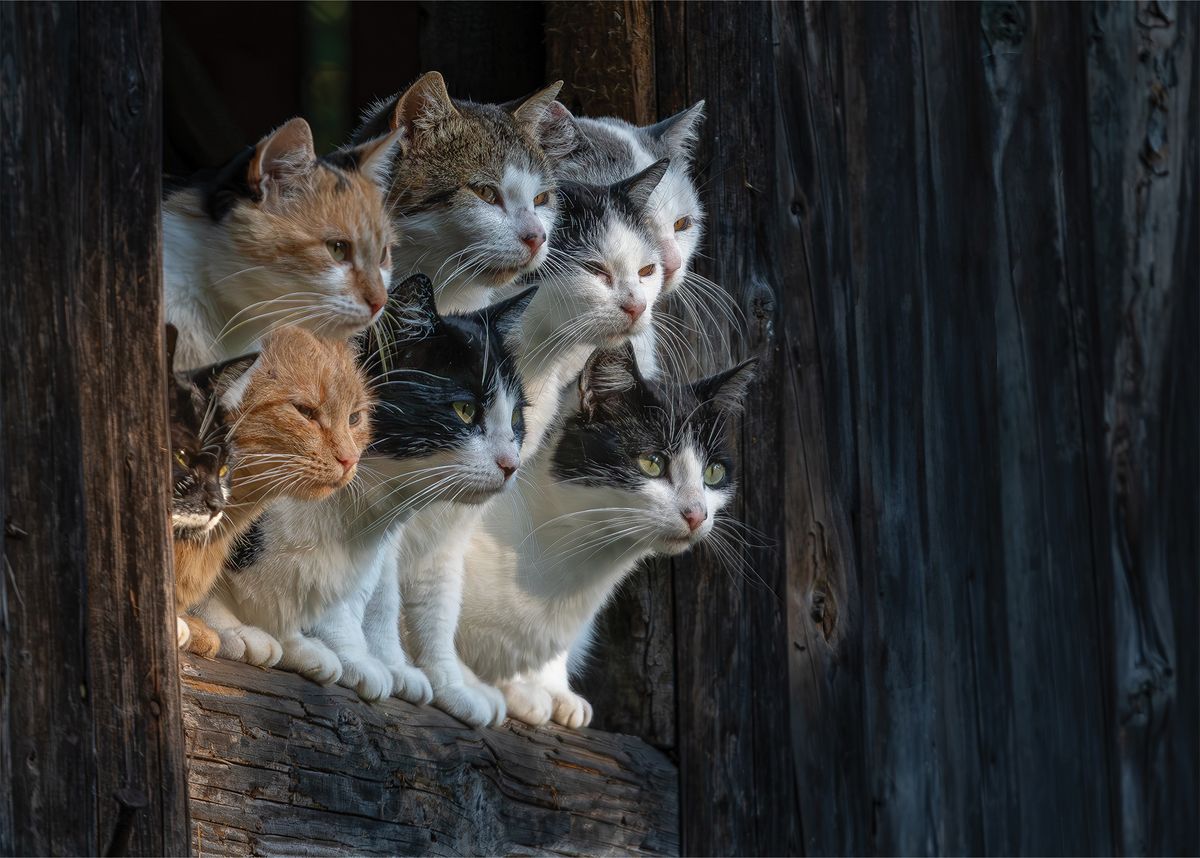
(279, 765)
(92, 756)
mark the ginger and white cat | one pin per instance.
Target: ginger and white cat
(277, 237)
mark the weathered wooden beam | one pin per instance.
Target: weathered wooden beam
(91, 751)
(279, 766)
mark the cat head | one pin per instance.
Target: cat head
(602, 150)
(200, 453)
(660, 449)
(450, 414)
(472, 192)
(308, 238)
(604, 274)
(300, 417)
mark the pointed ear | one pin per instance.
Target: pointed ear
(373, 158)
(218, 378)
(639, 187)
(412, 302)
(608, 373)
(505, 315)
(530, 111)
(172, 339)
(679, 132)
(557, 132)
(727, 390)
(423, 105)
(279, 157)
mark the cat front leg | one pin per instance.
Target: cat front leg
(201, 639)
(381, 627)
(432, 593)
(182, 633)
(310, 658)
(340, 629)
(546, 695)
(238, 641)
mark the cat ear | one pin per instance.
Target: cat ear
(679, 132)
(505, 315)
(557, 133)
(727, 389)
(608, 373)
(221, 377)
(640, 186)
(414, 301)
(373, 158)
(531, 109)
(423, 105)
(172, 339)
(282, 155)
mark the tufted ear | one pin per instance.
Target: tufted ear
(609, 373)
(422, 106)
(529, 112)
(280, 157)
(505, 315)
(727, 390)
(372, 158)
(678, 133)
(640, 186)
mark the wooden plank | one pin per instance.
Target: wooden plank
(93, 758)
(282, 766)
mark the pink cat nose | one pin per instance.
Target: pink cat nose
(347, 463)
(694, 516)
(534, 239)
(633, 308)
(376, 304)
(507, 464)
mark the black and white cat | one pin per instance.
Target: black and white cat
(640, 468)
(448, 429)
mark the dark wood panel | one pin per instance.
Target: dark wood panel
(281, 766)
(91, 731)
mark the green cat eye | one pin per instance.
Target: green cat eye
(714, 474)
(181, 458)
(651, 464)
(465, 411)
(339, 249)
(516, 417)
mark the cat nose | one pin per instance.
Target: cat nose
(694, 516)
(633, 308)
(213, 504)
(347, 462)
(375, 305)
(508, 464)
(533, 239)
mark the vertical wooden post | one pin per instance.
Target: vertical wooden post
(91, 744)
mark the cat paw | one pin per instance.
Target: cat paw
(202, 640)
(251, 645)
(312, 660)
(468, 704)
(182, 633)
(528, 702)
(367, 676)
(410, 683)
(571, 710)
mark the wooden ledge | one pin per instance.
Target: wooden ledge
(279, 765)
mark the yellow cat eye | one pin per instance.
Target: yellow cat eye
(487, 193)
(181, 457)
(224, 470)
(651, 464)
(714, 473)
(339, 249)
(683, 223)
(465, 411)
(542, 198)
(645, 271)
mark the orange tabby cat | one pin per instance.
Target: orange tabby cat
(299, 420)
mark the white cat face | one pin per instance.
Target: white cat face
(677, 219)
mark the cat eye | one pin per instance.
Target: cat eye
(683, 223)
(487, 193)
(383, 258)
(599, 270)
(305, 411)
(516, 417)
(542, 198)
(714, 474)
(224, 470)
(339, 249)
(645, 271)
(181, 457)
(355, 418)
(651, 464)
(465, 411)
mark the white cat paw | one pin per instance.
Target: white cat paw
(571, 710)
(468, 704)
(527, 702)
(311, 659)
(251, 645)
(368, 676)
(410, 683)
(182, 633)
